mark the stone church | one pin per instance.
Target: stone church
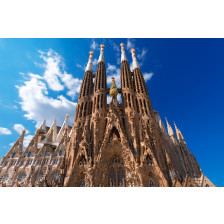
(110, 145)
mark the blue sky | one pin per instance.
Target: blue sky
(40, 78)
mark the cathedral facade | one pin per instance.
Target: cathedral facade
(109, 145)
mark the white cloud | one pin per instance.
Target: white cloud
(80, 66)
(108, 99)
(52, 70)
(142, 54)
(110, 67)
(148, 76)
(113, 71)
(27, 140)
(11, 144)
(130, 43)
(94, 45)
(115, 46)
(73, 84)
(19, 128)
(119, 98)
(39, 106)
(95, 63)
(56, 76)
(131, 66)
(5, 131)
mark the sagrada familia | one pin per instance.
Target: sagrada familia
(110, 145)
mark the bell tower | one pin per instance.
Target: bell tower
(84, 105)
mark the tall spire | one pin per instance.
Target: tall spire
(135, 63)
(100, 77)
(43, 126)
(101, 58)
(18, 145)
(52, 133)
(64, 127)
(178, 133)
(89, 66)
(123, 55)
(169, 128)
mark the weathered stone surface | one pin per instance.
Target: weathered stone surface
(116, 144)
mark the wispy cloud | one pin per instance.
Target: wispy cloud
(148, 76)
(27, 140)
(81, 66)
(95, 63)
(94, 45)
(5, 131)
(140, 53)
(117, 50)
(130, 43)
(19, 128)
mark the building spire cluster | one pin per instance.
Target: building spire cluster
(109, 144)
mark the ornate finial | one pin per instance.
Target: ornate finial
(89, 66)
(24, 131)
(135, 63)
(38, 130)
(123, 55)
(52, 129)
(113, 92)
(101, 58)
(113, 88)
(67, 116)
